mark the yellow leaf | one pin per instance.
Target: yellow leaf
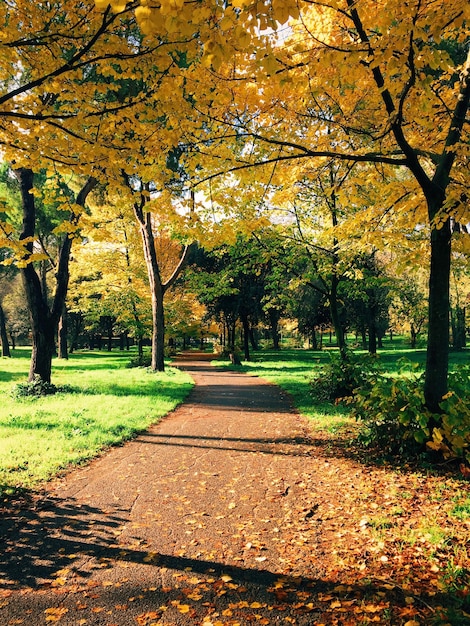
(54, 614)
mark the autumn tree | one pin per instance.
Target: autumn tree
(350, 82)
(72, 74)
(44, 314)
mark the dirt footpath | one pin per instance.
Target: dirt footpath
(223, 513)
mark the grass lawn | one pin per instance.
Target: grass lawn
(293, 369)
(107, 403)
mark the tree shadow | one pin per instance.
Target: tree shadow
(42, 535)
(282, 446)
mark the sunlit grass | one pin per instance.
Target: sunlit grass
(107, 403)
(294, 369)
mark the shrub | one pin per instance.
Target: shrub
(451, 435)
(395, 418)
(227, 354)
(393, 414)
(144, 360)
(36, 387)
(341, 377)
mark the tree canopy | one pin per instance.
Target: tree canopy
(343, 123)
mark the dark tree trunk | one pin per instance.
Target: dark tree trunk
(314, 339)
(246, 337)
(3, 335)
(274, 327)
(253, 340)
(363, 337)
(459, 339)
(42, 326)
(372, 314)
(437, 357)
(43, 349)
(75, 323)
(231, 329)
(63, 352)
(158, 335)
(44, 319)
(372, 345)
(335, 318)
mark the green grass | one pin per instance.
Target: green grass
(108, 403)
(293, 369)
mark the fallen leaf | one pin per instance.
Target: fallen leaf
(53, 614)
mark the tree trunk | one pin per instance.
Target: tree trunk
(231, 329)
(372, 314)
(44, 319)
(314, 339)
(335, 318)
(458, 328)
(110, 336)
(62, 335)
(158, 333)
(3, 335)
(437, 357)
(274, 324)
(372, 346)
(253, 339)
(43, 349)
(246, 337)
(157, 286)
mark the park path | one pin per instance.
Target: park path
(222, 513)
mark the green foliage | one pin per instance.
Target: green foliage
(451, 435)
(141, 360)
(394, 416)
(342, 376)
(37, 387)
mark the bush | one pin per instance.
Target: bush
(341, 377)
(36, 387)
(451, 435)
(144, 360)
(393, 414)
(227, 354)
(395, 418)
